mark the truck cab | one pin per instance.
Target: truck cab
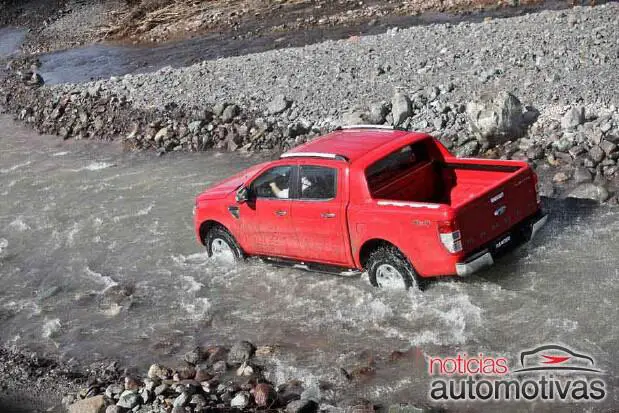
(394, 203)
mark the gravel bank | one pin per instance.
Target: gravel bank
(541, 87)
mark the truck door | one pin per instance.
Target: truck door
(266, 217)
(319, 215)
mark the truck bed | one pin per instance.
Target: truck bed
(488, 197)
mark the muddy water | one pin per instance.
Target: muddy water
(10, 41)
(98, 260)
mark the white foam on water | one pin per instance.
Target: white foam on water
(25, 305)
(60, 153)
(51, 328)
(197, 309)
(107, 281)
(19, 225)
(72, 233)
(15, 167)
(191, 285)
(95, 166)
(139, 213)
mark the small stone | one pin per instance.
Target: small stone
(378, 112)
(608, 147)
(278, 104)
(128, 399)
(90, 405)
(194, 127)
(535, 152)
(162, 388)
(146, 395)
(353, 118)
(590, 191)
(194, 356)
(264, 395)
(240, 400)
(131, 383)
(229, 113)
(198, 400)
(114, 409)
(597, 154)
(241, 352)
(218, 108)
(220, 367)
(182, 400)
(245, 370)
(113, 390)
(605, 127)
(400, 108)
(573, 117)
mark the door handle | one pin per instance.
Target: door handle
(327, 215)
(280, 213)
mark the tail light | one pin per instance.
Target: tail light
(538, 198)
(450, 236)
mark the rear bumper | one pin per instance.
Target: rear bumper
(484, 258)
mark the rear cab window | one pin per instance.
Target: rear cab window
(396, 164)
(317, 183)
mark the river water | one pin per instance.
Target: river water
(98, 260)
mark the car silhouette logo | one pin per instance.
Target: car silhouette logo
(555, 357)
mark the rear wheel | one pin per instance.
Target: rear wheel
(389, 269)
(222, 246)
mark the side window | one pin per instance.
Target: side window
(273, 183)
(318, 182)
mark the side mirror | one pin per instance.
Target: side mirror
(242, 195)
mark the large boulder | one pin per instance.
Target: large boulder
(496, 119)
(590, 191)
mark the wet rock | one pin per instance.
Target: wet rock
(240, 400)
(195, 356)
(590, 191)
(157, 371)
(183, 399)
(128, 399)
(400, 108)
(245, 370)
(220, 367)
(278, 104)
(573, 117)
(241, 352)
(264, 395)
(91, 405)
(496, 119)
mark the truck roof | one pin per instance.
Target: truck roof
(350, 144)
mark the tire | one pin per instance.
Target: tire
(222, 246)
(388, 268)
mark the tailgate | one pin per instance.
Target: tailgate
(492, 214)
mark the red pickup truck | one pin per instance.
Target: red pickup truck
(394, 203)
